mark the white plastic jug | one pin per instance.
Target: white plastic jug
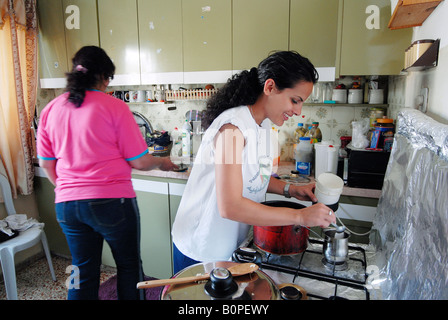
(326, 157)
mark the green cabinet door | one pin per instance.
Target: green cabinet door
(52, 49)
(81, 27)
(367, 46)
(207, 37)
(160, 33)
(313, 30)
(118, 28)
(259, 27)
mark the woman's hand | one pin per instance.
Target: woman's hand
(304, 193)
(317, 215)
(167, 164)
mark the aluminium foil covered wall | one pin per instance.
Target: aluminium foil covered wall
(410, 230)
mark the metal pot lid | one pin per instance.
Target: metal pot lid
(255, 286)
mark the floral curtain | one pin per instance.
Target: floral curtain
(18, 89)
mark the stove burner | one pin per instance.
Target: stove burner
(336, 266)
(292, 292)
(349, 274)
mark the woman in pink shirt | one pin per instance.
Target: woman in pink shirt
(87, 143)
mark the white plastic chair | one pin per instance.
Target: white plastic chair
(24, 240)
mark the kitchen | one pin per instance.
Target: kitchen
(182, 58)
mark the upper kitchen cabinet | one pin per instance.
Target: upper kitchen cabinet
(52, 49)
(207, 40)
(65, 26)
(366, 45)
(313, 30)
(259, 27)
(313, 33)
(81, 26)
(118, 29)
(160, 32)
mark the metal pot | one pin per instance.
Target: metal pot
(222, 286)
(335, 247)
(284, 240)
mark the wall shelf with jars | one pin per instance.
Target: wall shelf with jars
(421, 55)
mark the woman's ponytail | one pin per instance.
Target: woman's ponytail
(91, 65)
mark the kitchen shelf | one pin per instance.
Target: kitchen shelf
(146, 103)
(411, 13)
(427, 60)
(189, 94)
(382, 105)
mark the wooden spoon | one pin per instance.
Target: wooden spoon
(236, 270)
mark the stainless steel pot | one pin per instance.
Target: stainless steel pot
(221, 286)
(335, 247)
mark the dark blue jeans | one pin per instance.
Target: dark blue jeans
(86, 224)
(181, 261)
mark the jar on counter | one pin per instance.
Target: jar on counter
(375, 113)
(383, 135)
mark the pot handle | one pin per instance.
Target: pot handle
(244, 254)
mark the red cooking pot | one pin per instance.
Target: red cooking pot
(284, 240)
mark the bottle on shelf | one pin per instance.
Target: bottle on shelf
(314, 133)
(176, 148)
(299, 132)
(186, 139)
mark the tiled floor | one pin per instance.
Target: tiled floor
(34, 281)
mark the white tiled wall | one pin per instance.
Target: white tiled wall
(334, 121)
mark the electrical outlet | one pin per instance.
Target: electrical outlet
(422, 100)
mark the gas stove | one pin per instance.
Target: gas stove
(309, 271)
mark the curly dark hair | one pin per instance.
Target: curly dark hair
(286, 68)
(91, 65)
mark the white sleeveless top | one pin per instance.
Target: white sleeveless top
(199, 231)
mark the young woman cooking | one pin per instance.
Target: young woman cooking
(232, 169)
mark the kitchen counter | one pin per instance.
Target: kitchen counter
(283, 169)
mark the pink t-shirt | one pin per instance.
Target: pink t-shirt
(92, 144)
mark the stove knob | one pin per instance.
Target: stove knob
(221, 284)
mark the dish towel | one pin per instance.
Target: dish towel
(18, 222)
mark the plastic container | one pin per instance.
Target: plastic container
(304, 156)
(376, 96)
(339, 95)
(384, 132)
(328, 188)
(299, 132)
(355, 96)
(326, 157)
(186, 139)
(375, 113)
(314, 133)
